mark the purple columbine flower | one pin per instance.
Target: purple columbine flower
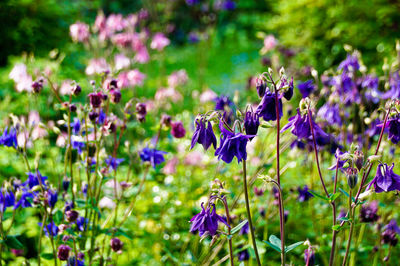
(228, 5)
(309, 257)
(389, 236)
(298, 144)
(78, 145)
(177, 130)
(245, 229)
(221, 102)
(203, 135)
(243, 255)
(7, 199)
(113, 162)
(306, 88)
(81, 223)
(304, 194)
(385, 180)
(339, 154)
(33, 180)
(301, 127)
(63, 252)
(231, 145)
(374, 129)
(330, 113)
(153, 156)
(369, 212)
(393, 127)
(50, 228)
(69, 205)
(52, 197)
(101, 118)
(206, 221)
(9, 138)
(349, 64)
(23, 201)
(251, 123)
(267, 107)
(288, 94)
(76, 126)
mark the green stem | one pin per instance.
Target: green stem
(351, 213)
(40, 236)
(358, 241)
(246, 196)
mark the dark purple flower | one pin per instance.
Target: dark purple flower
(23, 201)
(373, 128)
(393, 127)
(63, 252)
(177, 130)
(84, 189)
(309, 257)
(50, 228)
(231, 145)
(267, 107)
(9, 138)
(389, 236)
(206, 221)
(95, 99)
(153, 156)
(392, 225)
(301, 127)
(115, 95)
(341, 160)
(261, 87)
(52, 197)
(76, 126)
(298, 144)
(349, 64)
(304, 194)
(330, 113)
(385, 180)
(113, 162)
(394, 92)
(203, 135)
(369, 212)
(251, 123)
(221, 102)
(7, 199)
(245, 229)
(243, 255)
(258, 191)
(33, 180)
(192, 2)
(116, 244)
(65, 184)
(71, 215)
(306, 88)
(193, 37)
(288, 94)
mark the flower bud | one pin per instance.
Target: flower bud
(37, 86)
(141, 108)
(359, 159)
(63, 252)
(352, 177)
(116, 244)
(166, 120)
(261, 87)
(115, 96)
(76, 90)
(177, 130)
(93, 116)
(72, 108)
(95, 99)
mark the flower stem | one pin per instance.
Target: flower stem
(228, 219)
(351, 211)
(246, 196)
(334, 232)
(40, 236)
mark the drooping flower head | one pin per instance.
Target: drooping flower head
(267, 107)
(389, 236)
(306, 88)
(35, 179)
(221, 102)
(369, 212)
(76, 126)
(113, 162)
(207, 221)
(51, 228)
(9, 138)
(153, 156)
(231, 145)
(304, 194)
(203, 134)
(177, 130)
(63, 252)
(52, 197)
(330, 113)
(393, 127)
(349, 64)
(385, 180)
(251, 123)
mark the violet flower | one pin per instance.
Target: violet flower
(231, 145)
(267, 107)
(76, 126)
(9, 138)
(349, 64)
(304, 194)
(369, 212)
(301, 127)
(113, 162)
(330, 113)
(203, 135)
(251, 123)
(385, 180)
(243, 255)
(206, 222)
(33, 180)
(50, 228)
(221, 102)
(306, 88)
(153, 156)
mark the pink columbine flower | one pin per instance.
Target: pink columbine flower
(97, 66)
(79, 32)
(131, 78)
(159, 42)
(23, 81)
(121, 61)
(270, 42)
(177, 78)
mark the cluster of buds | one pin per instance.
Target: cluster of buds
(37, 85)
(141, 112)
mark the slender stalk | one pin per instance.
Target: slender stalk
(358, 241)
(228, 219)
(40, 236)
(351, 210)
(334, 232)
(246, 196)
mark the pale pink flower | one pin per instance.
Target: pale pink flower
(170, 166)
(66, 87)
(97, 66)
(131, 20)
(269, 43)
(159, 41)
(33, 118)
(194, 158)
(23, 81)
(131, 78)
(142, 56)
(208, 96)
(123, 39)
(79, 32)
(177, 78)
(100, 22)
(23, 137)
(107, 203)
(62, 140)
(115, 22)
(168, 94)
(38, 132)
(121, 61)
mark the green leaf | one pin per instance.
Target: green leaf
(81, 203)
(335, 196)
(347, 194)
(275, 240)
(122, 232)
(336, 227)
(345, 219)
(13, 242)
(318, 196)
(238, 227)
(273, 246)
(293, 246)
(47, 256)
